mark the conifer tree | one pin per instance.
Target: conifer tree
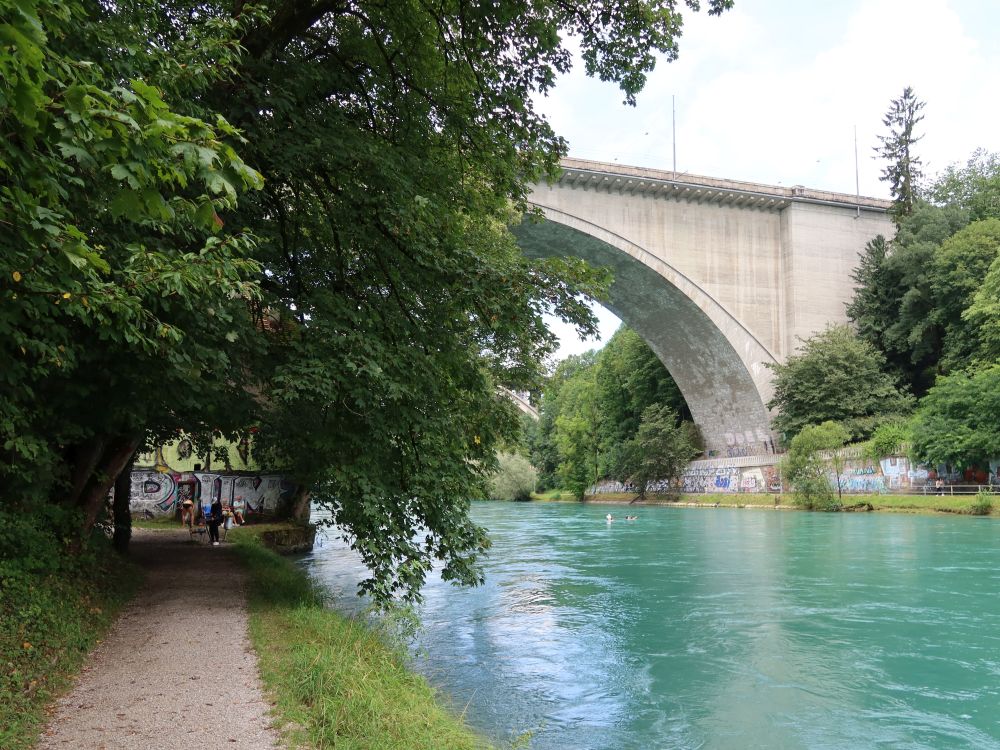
(903, 171)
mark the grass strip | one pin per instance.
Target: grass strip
(49, 622)
(334, 682)
(930, 503)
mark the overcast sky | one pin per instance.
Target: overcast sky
(772, 92)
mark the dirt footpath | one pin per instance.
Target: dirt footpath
(177, 670)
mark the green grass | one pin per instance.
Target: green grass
(552, 495)
(49, 622)
(235, 533)
(921, 503)
(335, 682)
(157, 522)
(962, 504)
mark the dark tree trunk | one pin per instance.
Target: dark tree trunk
(121, 511)
(84, 458)
(117, 454)
(300, 504)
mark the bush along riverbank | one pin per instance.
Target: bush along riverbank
(982, 504)
(54, 607)
(335, 682)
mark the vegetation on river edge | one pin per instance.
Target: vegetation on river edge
(54, 608)
(334, 681)
(929, 503)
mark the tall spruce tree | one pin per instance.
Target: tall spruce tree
(903, 171)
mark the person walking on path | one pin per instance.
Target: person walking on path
(214, 520)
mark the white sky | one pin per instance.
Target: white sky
(772, 91)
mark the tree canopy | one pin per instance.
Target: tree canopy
(592, 407)
(835, 377)
(661, 449)
(290, 217)
(957, 420)
(927, 300)
(903, 171)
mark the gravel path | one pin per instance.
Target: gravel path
(177, 669)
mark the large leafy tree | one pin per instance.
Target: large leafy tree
(974, 186)
(578, 434)
(960, 267)
(122, 292)
(630, 378)
(397, 141)
(903, 171)
(984, 316)
(836, 377)
(545, 455)
(956, 422)
(660, 450)
(593, 406)
(895, 305)
(365, 326)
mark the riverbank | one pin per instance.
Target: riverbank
(927, 504)
(334, 682)
(53, 610)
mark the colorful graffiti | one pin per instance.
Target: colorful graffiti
(156, 493)
(858, 476)
(153, 493)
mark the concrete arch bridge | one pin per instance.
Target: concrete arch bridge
(720, 277)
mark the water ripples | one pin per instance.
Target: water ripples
(718, 629)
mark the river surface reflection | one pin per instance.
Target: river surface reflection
(717, 628)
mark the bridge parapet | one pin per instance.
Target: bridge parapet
(691, 188)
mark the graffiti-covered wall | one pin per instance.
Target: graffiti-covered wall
(157, 493)
(860, 475)
(163, 477)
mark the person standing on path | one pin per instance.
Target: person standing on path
(214, 520)
(187, 513)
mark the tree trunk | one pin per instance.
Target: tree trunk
(84, 458)
(116, 455)
(300, 504)
(121, 511)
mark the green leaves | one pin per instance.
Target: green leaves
(835, 377)
(108, 239)
(592, 408)
(811, 455)
(956, 422)
(661, 449)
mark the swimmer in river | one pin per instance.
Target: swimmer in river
(609, 518)
(631, 518)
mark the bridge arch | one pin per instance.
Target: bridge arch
(717, 363)
(720, 277)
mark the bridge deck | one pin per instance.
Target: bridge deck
(598, 175)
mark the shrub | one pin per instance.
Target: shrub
(514, 480)
(983, 504)
(887, 440)
(806, 468)
(54, 605)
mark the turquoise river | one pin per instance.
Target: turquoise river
(716, 628)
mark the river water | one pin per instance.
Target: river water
(717, 628)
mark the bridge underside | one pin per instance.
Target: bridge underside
(720, 392)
